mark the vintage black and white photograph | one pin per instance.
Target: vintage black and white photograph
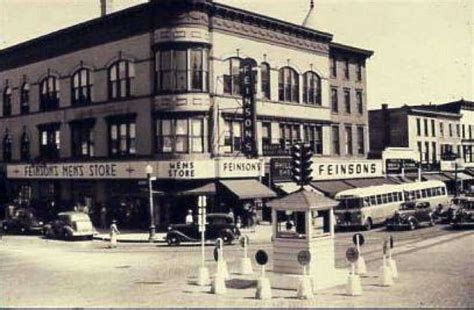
(236, 153)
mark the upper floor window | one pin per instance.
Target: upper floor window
(7, 101)
(463, 131)
(360, 102)
(50, 141)
(349, 140)
(336, 147)
(49, 93)
(182, 70)
(180, 135)
(418, 127)
(289, 134)
(82, 139)
(232, 78)
(311, 88)
(233, 136)
(122, 137)
(314, 136)
(346, 68)
(266, 133)
(433, 128)
(450, 130)
(334, 100)
(333, 68)
(7, 147)
(288, 85)
(360, 141)
(81, 87)
(458, 130)
(441, 129)
(425, 123)
(121, 74)
(25, 98)
(265, 80)
(347, 100)
(359, 71)
(25, 147)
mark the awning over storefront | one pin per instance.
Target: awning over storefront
(248, 189)
(369, 182)
(412, 176)
(470, 171)
(331, 188)
(303, 200)
(461, 176)
(288, 187)
(182, 189)
(436, 177)
(399, 179)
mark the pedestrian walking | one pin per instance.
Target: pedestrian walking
(113, 234)
(189, 217)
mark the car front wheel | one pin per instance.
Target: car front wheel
(172, 240)
(5, 227)
(227, 238)
(368, 224)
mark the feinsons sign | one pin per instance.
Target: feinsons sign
(186, 170)
(333, 170)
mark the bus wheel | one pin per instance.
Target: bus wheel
(368, 224)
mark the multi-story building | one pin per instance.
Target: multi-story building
(435, 134)
(466, 109)
(85, 109)
(348, 102)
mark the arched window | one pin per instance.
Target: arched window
(25, 147)
(7, 147)
(288, 85)
(49, 93)
(120, 79)
(25, 98)
(81, 87)
(265, 78)
(232, 77)
(311, 88)
(7, 101)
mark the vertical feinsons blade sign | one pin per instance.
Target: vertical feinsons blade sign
(248, 76)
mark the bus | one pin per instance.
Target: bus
(369, 206)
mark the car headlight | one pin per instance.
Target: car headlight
(170, 228)
(40, 223)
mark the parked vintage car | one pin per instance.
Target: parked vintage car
(464, 215)
(411, 215)
(218, 225)
(23, 221)
(70, 225)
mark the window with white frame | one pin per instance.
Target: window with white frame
(121, 74)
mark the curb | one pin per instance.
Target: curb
(128, 240)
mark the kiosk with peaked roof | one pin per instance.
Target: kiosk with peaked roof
(304, 220)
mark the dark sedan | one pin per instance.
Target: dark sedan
(464, 216)
(218, 225)
(23, 221)
(411, 215)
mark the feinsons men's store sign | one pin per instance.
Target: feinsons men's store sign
(186, 170)
(347, 169)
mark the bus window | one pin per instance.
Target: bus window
(443, 190)
(366, 202)
(373, 201)
(423, 193)
(395, 197)
(390, 197)
(430, 192)
(379, 199)
(384, 198)
(400, 196)
(417, 194)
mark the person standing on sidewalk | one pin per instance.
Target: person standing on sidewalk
(113, 234)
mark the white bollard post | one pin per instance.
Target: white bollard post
(218, 285)
(392, 264)
(354, 287)
(305, 289)
(386, 274)
(361, 268)
(203, 272)
(245, 262)
(264, 290)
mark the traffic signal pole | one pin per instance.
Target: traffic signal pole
(301, 162)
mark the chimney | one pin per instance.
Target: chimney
(384, 106)
(106, 7)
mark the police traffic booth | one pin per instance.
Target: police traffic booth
(301, 221)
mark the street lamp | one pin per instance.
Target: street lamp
(149, 171)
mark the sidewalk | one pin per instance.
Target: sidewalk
(262, 234)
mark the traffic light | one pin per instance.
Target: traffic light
(301, 164)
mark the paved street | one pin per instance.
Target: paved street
(38, 272)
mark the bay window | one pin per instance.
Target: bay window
(180, 135)
(182, 70)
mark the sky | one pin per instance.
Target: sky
(424, 49)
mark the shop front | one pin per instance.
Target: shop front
(120, 190)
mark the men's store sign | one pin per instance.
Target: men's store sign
(395, 165)
(348, 169)
(249, 107)
(185, 169)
